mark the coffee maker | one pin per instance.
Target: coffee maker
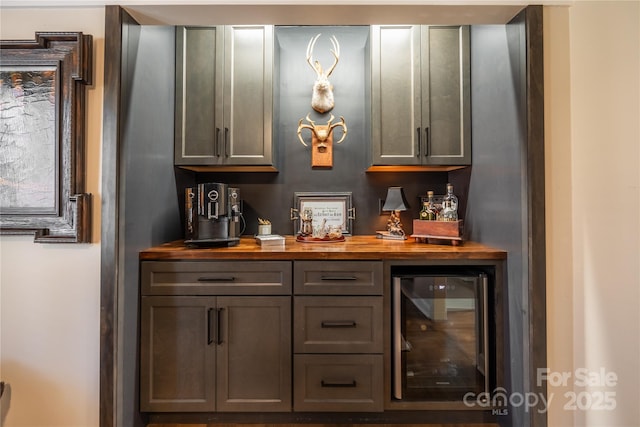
(213, 215)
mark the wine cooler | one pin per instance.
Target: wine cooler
(439, 335)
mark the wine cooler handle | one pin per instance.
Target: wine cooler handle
(397, 339)
(484, 280)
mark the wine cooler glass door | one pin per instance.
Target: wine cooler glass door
(440, 337)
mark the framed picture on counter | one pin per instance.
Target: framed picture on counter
(332, 209)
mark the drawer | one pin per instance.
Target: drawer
(338, 277)
(338, 383)
(216, 278)
(350, 324)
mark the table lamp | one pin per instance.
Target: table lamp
(395, 202)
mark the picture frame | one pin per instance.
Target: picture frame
(334, 207)
(42, 170)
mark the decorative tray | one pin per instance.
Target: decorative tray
(311, 239)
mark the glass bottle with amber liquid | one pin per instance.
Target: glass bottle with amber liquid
(428, 212)
(450, 205)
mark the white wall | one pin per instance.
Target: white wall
(592, 121)
(50, 293)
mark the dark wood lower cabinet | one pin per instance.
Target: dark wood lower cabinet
(215, 354)
(254, 354)
(280, 342)
(214, 351)
(177, 369)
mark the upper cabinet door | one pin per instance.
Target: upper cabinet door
(449, 139)
(248, 95)
(420, 95)
(199, 80)
(224, 95)
(396, 95)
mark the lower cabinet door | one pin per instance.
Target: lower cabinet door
(338, 383)
(177, 354)
(254, 354)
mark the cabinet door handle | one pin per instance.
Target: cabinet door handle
(212, 325)
(427, 142)
(214, 334)
(338, 383)
(216, 279)
(338, 324)
(338, 278)
(219, 326)
(216, 145)
(226, 142)
(419, 132)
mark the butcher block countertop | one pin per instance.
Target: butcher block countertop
(353, 248)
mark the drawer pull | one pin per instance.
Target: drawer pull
(216, 279)
(338, 324)
(338, 278)
(338, 383)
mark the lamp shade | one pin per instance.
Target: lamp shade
(395, 200)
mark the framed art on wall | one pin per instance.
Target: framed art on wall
(42, 97)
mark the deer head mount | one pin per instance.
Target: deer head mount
(322, 97)
(321, 140)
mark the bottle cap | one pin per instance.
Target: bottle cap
(429, 193)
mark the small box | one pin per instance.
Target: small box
(270, 240)
(438, 231)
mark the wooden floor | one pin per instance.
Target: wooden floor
(321, 425)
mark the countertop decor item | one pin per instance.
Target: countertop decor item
(270, 240)
(438, 232)
(264, 227)
(311, 209)
(395, 203)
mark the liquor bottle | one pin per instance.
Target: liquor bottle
(428, 211)
(424, 213)
(450, 205)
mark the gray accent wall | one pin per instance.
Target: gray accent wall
(496, 209)
(271, 195)
(493, 192)
(149, 211)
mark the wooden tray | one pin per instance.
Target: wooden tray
(438, 232)
(311, 239)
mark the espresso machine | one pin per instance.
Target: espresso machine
(213, 215)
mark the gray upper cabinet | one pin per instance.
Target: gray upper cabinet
(224, 96)
(420, 95)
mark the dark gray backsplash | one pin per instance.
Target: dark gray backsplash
(270, 195)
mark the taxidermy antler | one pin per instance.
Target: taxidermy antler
(321, 132)
(322, 98)
(322, 140)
